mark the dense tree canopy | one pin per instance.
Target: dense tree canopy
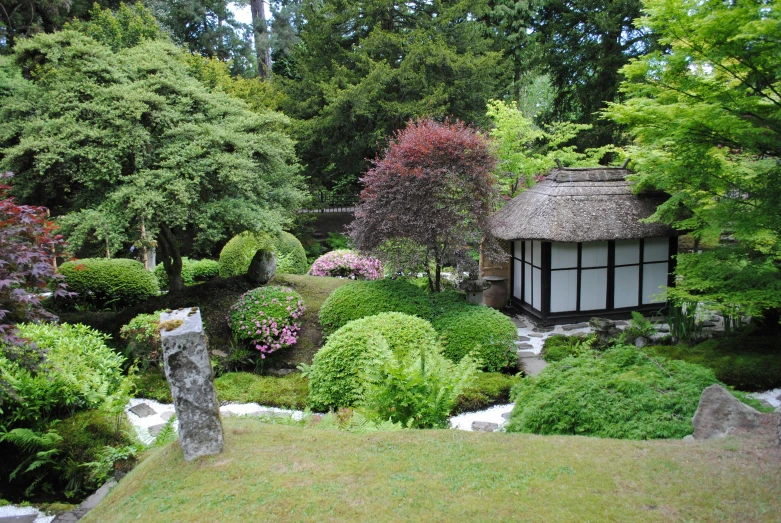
(706, 117)
(131, 136)
(434, 187)
(364, 68)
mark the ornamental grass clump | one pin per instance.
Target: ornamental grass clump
(345, 263)
(266, 317)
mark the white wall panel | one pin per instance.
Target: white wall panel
(537, 253)
(517, 279)
(593, 289)
(626, 286)
(517, 252)
(528, 255)
(594, 254)
(564, 290)
(564, 255)
(536, 289)
(656, 249)
(654, 282)
(527, 282)
(627, 251)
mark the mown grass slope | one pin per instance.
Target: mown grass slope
(286, 473)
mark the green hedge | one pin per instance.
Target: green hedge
(620, 393)
(237, 254)
(193, 271)
(334, 374)
(102, 283)
(485, 332)
(367, 298)
(746, 363)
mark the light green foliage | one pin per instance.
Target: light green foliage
(243, 387)
(488, 388)
(335, 375)
(366, 298)
(706, 119)
(750, 363)
(151, 384)
(131, 134)
(79, 373)
(482, 332)
(527, 150)
(621, 393)
(558, 347)
(142, 335)
(123, 28)
(116, 283)
(236, 256)
(193, 271)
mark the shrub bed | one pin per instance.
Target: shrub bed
(142, 335)
(344, 263)
(101, 283)
(621, 393)
(266, 317)
(236, 256)
(559, 346)
(334, 377)
(242, 387)
(367, 298)
(489, 388)
(484, 332)
(746, 363)
(193, 271)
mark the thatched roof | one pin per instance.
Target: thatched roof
(579, 205)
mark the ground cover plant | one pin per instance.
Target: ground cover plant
(619, 393)
(446, 475)
(101, 283)
(346, 263)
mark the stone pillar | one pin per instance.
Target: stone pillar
(191, 379)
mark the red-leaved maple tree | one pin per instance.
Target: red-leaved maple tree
(433, 186)
(28, 246)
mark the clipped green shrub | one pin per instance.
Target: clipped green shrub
(484, 332)
(334, 377)
(101, 282)
(620, 393)
(151, 384)
(267, 318)
(559, 346)
(746, 363)
(417, 390)
(367, 298)
(237, 254)
(488, 389)
(243, 387)
(193, 271)
(142, 335)
(291, 256)
(80, 371)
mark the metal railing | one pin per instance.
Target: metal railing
(323, 202)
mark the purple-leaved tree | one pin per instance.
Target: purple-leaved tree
(434, 187)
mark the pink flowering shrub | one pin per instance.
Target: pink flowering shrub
(345, 263)
(267, 317)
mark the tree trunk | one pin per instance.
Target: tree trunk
(172, 258)
(258, 9)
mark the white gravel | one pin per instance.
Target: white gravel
(771, 396)
(11, 510)
(492, 415)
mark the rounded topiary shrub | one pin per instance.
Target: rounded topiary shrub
(367, 298)
(484, 332)
(344, 263)
(237, 254)
(142, 335)
(334, 377)
(102, 283)
(193, 271)
(620, 393)
(78, 372)
(267, 318)
(291, 256)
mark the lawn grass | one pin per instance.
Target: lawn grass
(290, 473)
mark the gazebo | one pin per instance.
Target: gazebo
(578, 247)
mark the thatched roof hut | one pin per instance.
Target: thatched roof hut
(580, 205)
(579, 247)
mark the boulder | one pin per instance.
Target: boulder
(641, 342)
(719, 413)
(189, 374)
(601, 324)
(262, 267)
(484, 426)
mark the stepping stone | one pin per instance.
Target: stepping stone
(522, 346)
(621, 323)
(142, 410)
(167, 415)
(23, 518)
(764, 403)
(663, 328)
(535, 335)
(706, 324)
(574, 326)
(484, 426)
(506, 415)
(533, 365)
(715, 319)
(523, 338)
(543, 329)
(154, 430)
